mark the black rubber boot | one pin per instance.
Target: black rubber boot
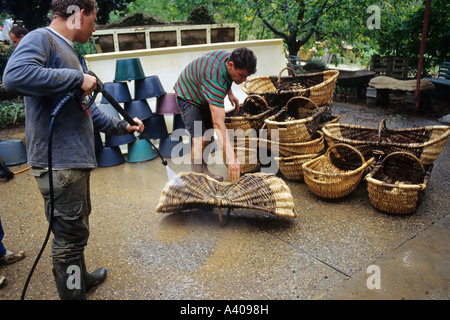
(69, 280)
(94, 278)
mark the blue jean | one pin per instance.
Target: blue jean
(2, 233)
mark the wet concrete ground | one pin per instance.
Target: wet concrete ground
(322, 254)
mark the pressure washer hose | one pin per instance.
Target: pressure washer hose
(71, 95)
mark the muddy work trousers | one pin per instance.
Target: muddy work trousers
(70, 225)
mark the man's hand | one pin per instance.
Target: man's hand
(234, 101)
(139, 128)
(234, 170)
(89, 84)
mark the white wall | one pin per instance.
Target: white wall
(168, 63)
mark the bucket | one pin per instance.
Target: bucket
(109, 157)
(167, 104)
(148, 87)
(129, 69)
(13, 152)
(112, 141)
(155, 127)
(167, 145)
(140, 151)
(118, 90)
(138, 108)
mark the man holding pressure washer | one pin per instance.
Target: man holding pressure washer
(44, 68)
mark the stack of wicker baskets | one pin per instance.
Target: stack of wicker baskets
(278, 90)
(245, 124)
(292, 109)
(295, 135)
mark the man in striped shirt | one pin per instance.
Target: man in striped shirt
(201, 89)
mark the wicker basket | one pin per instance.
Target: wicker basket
(251, 115)
(298, 121)
(286, 149)
(397, 183)
(426, 143)
(248, 158)
(291, 167)
(258, 191)
(331, 175)
(278, 90)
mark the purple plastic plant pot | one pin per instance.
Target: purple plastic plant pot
(167, 104)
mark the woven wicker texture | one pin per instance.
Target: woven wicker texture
(426, 143)
(397, 183)
(278, 90)
(298, 121)
(251, 115)
(288, 149)
(332, 175)
(263, 192)
(291, 167)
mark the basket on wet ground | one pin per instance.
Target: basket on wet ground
(397, 183)
(297, 121)
(291, 167)
(251, 115)
(426, 143)
(258, 191)
(278, 90)
(288, 149)
(336, 173)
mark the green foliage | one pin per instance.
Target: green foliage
(314, 65)
(401, 32)
(12, 113)
(336, 23)
(5, 53)
(83, 49)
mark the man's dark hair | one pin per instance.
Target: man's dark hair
(18, 31)
(244, 58)
(60, 7)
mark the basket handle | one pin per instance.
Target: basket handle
(266, 105)
(287, 68)
(348, 146)
(381, 127)
(301, 97)
(408, 154)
